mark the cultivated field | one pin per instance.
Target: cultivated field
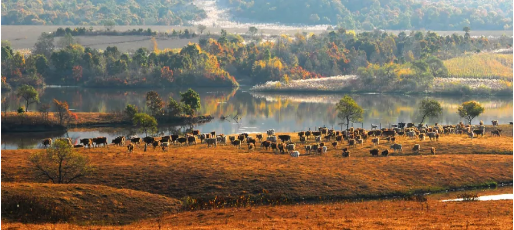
(484, 65)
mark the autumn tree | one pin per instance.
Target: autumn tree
(154, 103)
(429, 108)
(60, 163)
(469, 110)
(62, 110)
(349, 111)
(29, 94)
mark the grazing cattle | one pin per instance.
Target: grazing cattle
(351, 142)
(374, 152)
(385, 153)
(222, 139)
(181, 140)
(281, 147)
(265, 144)
(78, 146)
(471, 135)
(346, 154)
(191, 140)
(431, 135)
(165, 145)
(389, 133)
(87, 142)
(323, 130)
(416, 148)
(291, 147)
(284, 138)
(410, 125)
(496, 132)
(272, 138)
(432, 150)
(232, 138)
(274, 146)
(334, 144)
(437, 136)
(421, 136)
(308, 134)
(324, 149)
(251, 140)
(401, 125)
(211, 141)
(308, 149)
(241, 138)
(213, 134)
(100, 141)
(295, 154)
(302, 139)
(202, 137)
(397, 147)
(150, 140)
(314, 133)
(130, 147)
(393, 139)
(174, 137)
(339, 138)
(245, 134)
(251, 147)
(375, 141)
(119, 141)
(374, 126)
(155, 144)
(375, 133)
(237, 143)
(360, 141)
(47, 142)
(317, 138)
(166, 138)
(196, 132)
(321, 144)
(301, 134)
(314, 147)
(270, 132)
(411, 134)
(259, 136)
(327, 138)
(479, 132)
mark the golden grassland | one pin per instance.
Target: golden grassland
(91, 203)
(484, 65)
(203, 173)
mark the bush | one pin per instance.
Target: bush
(21, 110)
(130, 111)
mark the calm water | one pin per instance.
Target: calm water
(257, 112)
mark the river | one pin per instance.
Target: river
(255, 112)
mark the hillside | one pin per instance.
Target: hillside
(80, 203)
(369, 14)
(130, 12)
(484, 65)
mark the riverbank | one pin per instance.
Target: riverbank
(36, 122)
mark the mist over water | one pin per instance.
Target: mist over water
(253, 112)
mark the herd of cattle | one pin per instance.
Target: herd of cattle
(283, 143)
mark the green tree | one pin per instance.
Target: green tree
(44, 45)
(109, 24)
(154, 103)
(41, 63)
(60, 163)
(67, 40)
(253, 30)
(145, 123)
(174, 108)
(130, 111)
(349, 111)
(201, 28)
(29, 94)
(429, 108)
(191, 99)
(469, 110)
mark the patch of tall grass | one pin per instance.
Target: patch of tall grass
(485, 65)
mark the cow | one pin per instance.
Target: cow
(301, 134)
(155, 144)
(432, 150)
(308, 149)
(213, 134)
(317, 138)
(259, 136)
(314, 147)
(237, 143)
(351, 142)
(385, 153)
(471, 135)
(334, 144)
(87, 142)
(401, 125)
(323, 130)
(274, 146)
(281, 147)
(431, 135)
(397, 147)
(315, 133)
(321, 144)
(66, 140)
(308, 134)
(251, 147)
(100, 141)
(191, 140)
(272, 138)
(327, 138)
(284, 138)
(174, 137)
(78, 146)
(211, 141)
(196, 132)
(374, 126)
(375, 141)
(295, 154)
(291, 147)
(389, 133)
(496, 132)
(266, 144)
(232, 138)
(360, 141)
(421, 136)
(203, 137)
(339, 138)
(393, 139)
(324, 149)
(150, 140)
(130, 147)
(241, 137)
(479, 132)
(374, 152)
(47, 142)
(302, 139)
(119, 141)
(411, 134)
(270, 132)
(375, 133)
(416, 148)
(166, 138)
(181, 140)
(222, 139)
(346, 154)
(165, 145)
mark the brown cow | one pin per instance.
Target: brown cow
(47, 142)
(266, 144)
(496, 132)
(432, 150)
(130, 147)
(374, 152)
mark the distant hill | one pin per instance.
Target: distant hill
(388, 14)
(97, 12)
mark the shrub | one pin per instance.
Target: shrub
(130, 111)
(20, 110)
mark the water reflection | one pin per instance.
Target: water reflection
(256, 112)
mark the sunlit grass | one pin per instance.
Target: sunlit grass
(485, 65)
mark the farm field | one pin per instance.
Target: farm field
(484, 65)
(24, 37)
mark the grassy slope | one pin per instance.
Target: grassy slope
(485, 65)
(203, 172)
(96, 203)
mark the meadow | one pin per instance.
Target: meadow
(483, 65)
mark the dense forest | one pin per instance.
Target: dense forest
(99, 12)
(371, 14)
(404, 61)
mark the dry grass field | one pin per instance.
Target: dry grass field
(484, 65)
(233, 180)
